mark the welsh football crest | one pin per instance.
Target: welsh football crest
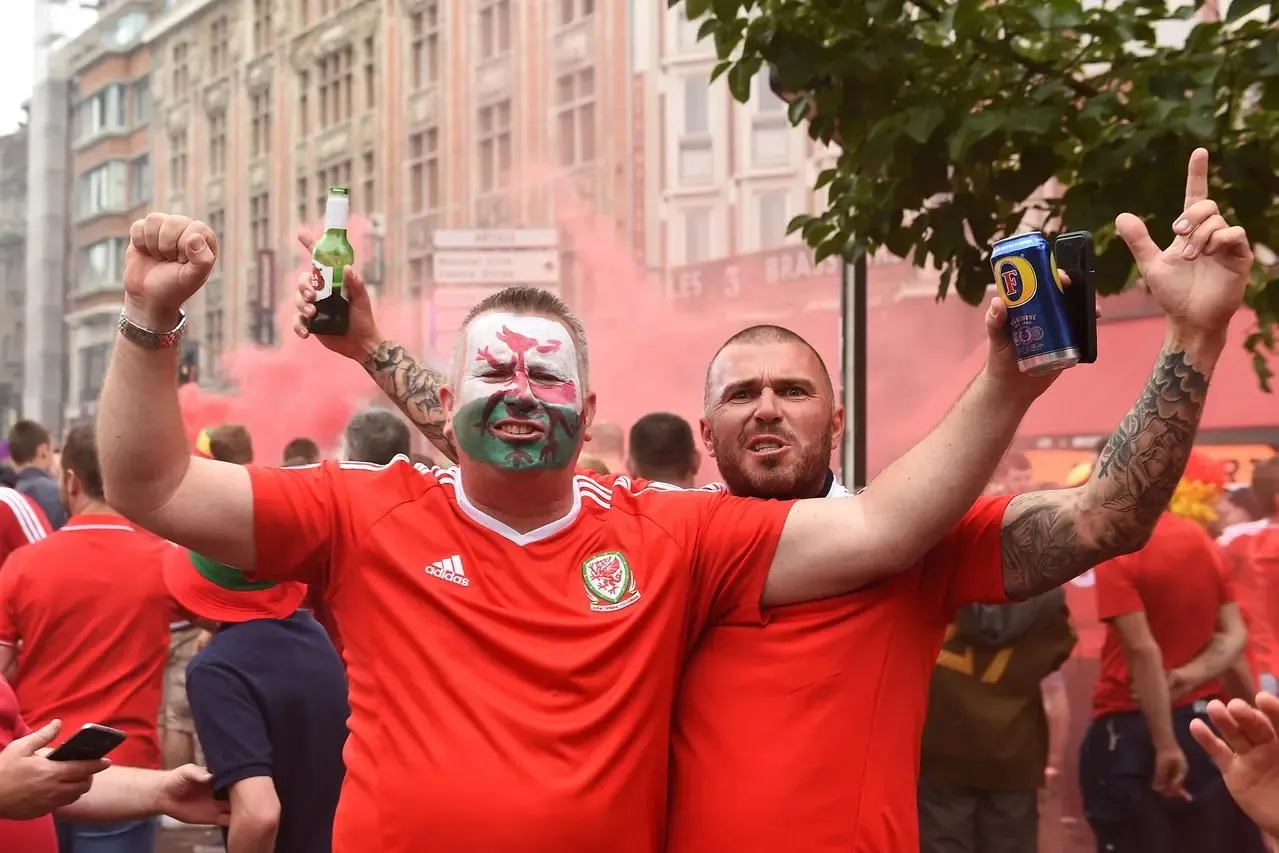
(610, 584)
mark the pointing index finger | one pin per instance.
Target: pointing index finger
(1197, 177)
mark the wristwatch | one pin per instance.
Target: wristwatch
(150, 338)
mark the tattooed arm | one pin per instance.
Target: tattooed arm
(414, 387)
(1050, 537)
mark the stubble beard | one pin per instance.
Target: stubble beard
(799, 477)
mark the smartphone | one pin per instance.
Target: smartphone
(1074, 254)
(89, 744)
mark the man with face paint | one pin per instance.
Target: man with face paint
(515, 632)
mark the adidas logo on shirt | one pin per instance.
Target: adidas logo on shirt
(449, 569)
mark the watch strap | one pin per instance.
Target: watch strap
(150, 338)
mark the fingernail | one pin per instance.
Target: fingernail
(1181, 226)
(1189, 252)
(197, 245)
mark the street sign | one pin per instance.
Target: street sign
(520, 266)
(496, 238)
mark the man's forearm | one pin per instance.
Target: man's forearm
(1051, 537)
(926, 491)
(1214, 659)
(1151, 686)
(142, 443)
(118, 793)
(414, 387)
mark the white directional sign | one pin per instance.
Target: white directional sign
(496, 238)
(519, 266)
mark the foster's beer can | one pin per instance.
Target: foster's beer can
(1045, 325)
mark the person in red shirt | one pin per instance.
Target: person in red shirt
(514, 633)
(84, 623)
(1252, 550)
(33, 788)
(21, 522)
(1145, 784)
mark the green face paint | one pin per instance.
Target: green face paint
(552, 446)
(519, 406)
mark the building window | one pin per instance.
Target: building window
(495, 28)
(260, 126)
(214, 301)
(424, 171)
(334, 92)
(495, 146)
(262, 25)
(102, 264)
(260, 221)
(219, 45)
(178, 161)
(103, 189)
(575, 119)
(770, 215)
(217, 144)
(697, 235)
(424, 49)
(685, 30)
(370, 182)
(770, 129)
(304, 103)
(336, 175)
(370, 74)
(105, 111)
(303, 200)
(575, 10)
(141, 101)
(93, 367)
(696, 148)
(181, 73)
(140, 180)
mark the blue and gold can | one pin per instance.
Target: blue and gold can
(1039, 318)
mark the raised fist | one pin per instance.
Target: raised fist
(169, 259)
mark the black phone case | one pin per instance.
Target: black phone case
(1073, 252)
(86, 745)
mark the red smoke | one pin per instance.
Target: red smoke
(645, 355)
(296, 388)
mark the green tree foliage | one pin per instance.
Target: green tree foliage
(952, 115)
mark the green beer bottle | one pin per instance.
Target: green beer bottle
(332, 255)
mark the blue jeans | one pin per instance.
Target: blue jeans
(130, 836)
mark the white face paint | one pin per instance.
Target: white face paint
(519, 354)
(519, 401)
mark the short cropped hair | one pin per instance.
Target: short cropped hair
(527, 301)
(661, 447)
(766, 334)
(1265, 486)
(301, 451)
(80, 457)
(231, 443)
(25, 439)
(376, 436)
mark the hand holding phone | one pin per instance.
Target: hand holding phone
(91, 743)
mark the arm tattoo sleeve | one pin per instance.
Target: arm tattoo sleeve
(1050, 537)
(413, 387)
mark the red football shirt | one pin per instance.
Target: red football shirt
(1252, 552)
(21, 522)
(91, 609)
(1179, 582)
(21, 836)
(805, 735)
(510, 691)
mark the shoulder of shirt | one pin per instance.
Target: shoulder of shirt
(1238, 531)
(622, 491)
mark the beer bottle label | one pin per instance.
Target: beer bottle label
(326, 280)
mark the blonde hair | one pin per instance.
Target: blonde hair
(528, 301)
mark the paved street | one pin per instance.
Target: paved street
(190, 841)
